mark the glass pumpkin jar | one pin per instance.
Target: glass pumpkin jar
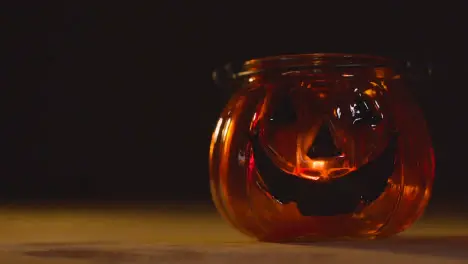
(320, 146)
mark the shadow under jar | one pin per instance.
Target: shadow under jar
(320, 146)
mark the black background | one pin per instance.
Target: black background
(114, 101)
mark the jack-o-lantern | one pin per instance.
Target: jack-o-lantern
(320, 146)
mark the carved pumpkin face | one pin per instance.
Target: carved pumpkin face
(316, 140)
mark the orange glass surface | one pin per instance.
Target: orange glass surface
(320, 146)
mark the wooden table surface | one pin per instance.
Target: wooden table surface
(196, 234)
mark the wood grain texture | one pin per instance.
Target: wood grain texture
(196, 234)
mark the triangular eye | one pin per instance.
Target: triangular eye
(323, 145)
(283, 111)
(364, 112)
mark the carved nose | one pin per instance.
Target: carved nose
(323, 145)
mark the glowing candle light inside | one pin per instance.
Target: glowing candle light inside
(318, 164)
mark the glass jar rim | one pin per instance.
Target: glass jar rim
(312, 60)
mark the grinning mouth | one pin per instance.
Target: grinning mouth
(337, 195)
